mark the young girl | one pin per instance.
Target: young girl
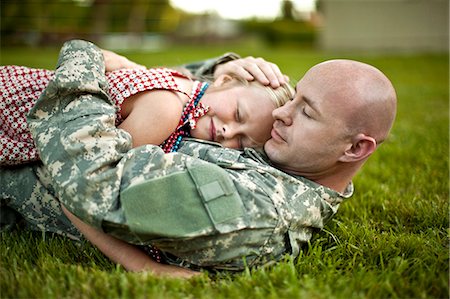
(156, 106)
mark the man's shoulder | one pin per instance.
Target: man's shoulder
(248, 168)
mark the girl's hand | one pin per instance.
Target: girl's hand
(251, 68)
(114, 61)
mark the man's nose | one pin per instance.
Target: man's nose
(284, 114)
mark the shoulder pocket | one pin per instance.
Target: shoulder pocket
(201, 200)
(223, 157)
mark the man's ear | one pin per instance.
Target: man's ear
(222, 79)
(361, 148)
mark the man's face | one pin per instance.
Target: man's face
(309, 134)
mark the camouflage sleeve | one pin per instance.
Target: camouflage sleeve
(26, 197)
(65, 122)
(206, 67)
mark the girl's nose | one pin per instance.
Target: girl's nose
(229, 136)
(228, 131)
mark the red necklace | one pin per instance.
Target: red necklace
(193, 110)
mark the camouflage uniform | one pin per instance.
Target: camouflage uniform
(205, 205)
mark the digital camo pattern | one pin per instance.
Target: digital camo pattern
(23, 192)
(205, 205)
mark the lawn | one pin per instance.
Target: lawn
(390, 240)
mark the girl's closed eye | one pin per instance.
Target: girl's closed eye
(238, 115)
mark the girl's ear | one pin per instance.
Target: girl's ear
(361, 148)
(222, 79)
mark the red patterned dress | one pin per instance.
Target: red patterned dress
(20, 88)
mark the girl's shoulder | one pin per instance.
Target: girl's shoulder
(127, 82)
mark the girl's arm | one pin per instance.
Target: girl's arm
(114, 61)
(150, 117)
(125, 254)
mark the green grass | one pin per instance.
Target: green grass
(389, 241)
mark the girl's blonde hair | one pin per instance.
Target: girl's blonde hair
(279, 96)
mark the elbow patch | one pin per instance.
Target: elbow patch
(201, 200)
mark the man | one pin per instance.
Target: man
(206, 206)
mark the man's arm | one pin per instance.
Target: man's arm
(60, 120)
(140, 195)
(74, 117)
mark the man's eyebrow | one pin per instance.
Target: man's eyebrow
(311, 104)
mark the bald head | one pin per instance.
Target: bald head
(340, 111)
(363, 91)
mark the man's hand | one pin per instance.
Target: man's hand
(114, 61)
(251, 68)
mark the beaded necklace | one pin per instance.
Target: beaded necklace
(192, 111)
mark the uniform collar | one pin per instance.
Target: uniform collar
(331, 196)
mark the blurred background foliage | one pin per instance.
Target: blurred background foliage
(153, 25)
(141, 24)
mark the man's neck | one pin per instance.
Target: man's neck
(336, 179)
(341, 177)
(339, 185)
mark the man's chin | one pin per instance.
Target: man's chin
(270, 148)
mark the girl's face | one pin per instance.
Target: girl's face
(239, 116)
